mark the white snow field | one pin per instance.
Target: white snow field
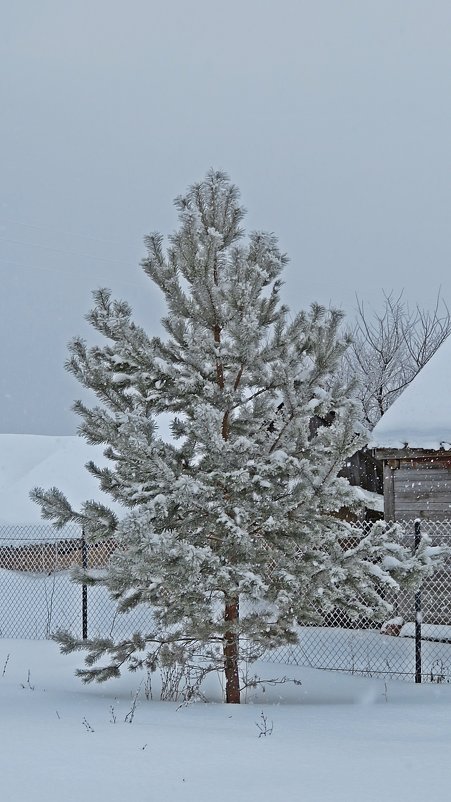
(340, 738)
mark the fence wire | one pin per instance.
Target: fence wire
(414, 644)
(38, 597)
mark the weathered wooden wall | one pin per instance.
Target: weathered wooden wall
(417, 489)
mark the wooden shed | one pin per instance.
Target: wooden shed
(413, 440)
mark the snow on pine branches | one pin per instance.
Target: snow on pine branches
(230, 531)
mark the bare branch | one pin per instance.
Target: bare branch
(389, 347)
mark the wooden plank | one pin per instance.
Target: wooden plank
(423, 491)
(421, 511)
(424, 473)
(389, 496)
(426, 493)
(441, 484)
(437, 475)
(406, 500)
(431, 480)
(427, 464)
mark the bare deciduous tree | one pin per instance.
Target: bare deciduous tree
(390, 347)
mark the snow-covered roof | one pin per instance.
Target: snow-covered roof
(371, 500)
(27, 461)
(421, 416)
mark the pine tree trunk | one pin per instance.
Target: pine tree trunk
(231, 652)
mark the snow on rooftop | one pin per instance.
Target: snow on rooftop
(421, 416)
(373, 501)
(27, 461)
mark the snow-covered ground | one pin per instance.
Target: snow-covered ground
(334, 737)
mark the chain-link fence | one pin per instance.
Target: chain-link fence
(414, 644)
(38, 598)
(37, 594)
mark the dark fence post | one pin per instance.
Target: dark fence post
(418, 613)
(84, 588)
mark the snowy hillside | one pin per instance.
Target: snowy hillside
(27, 461)
(421, 416)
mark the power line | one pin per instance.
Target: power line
(43, 227)
(41, 269)
(62, 251)
(29, 267)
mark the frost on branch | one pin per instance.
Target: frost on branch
(231, 533)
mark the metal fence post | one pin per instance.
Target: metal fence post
(418, 613)
(84, 588)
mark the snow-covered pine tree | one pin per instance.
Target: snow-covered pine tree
(231, 533)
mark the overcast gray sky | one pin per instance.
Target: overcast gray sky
(333, 117)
